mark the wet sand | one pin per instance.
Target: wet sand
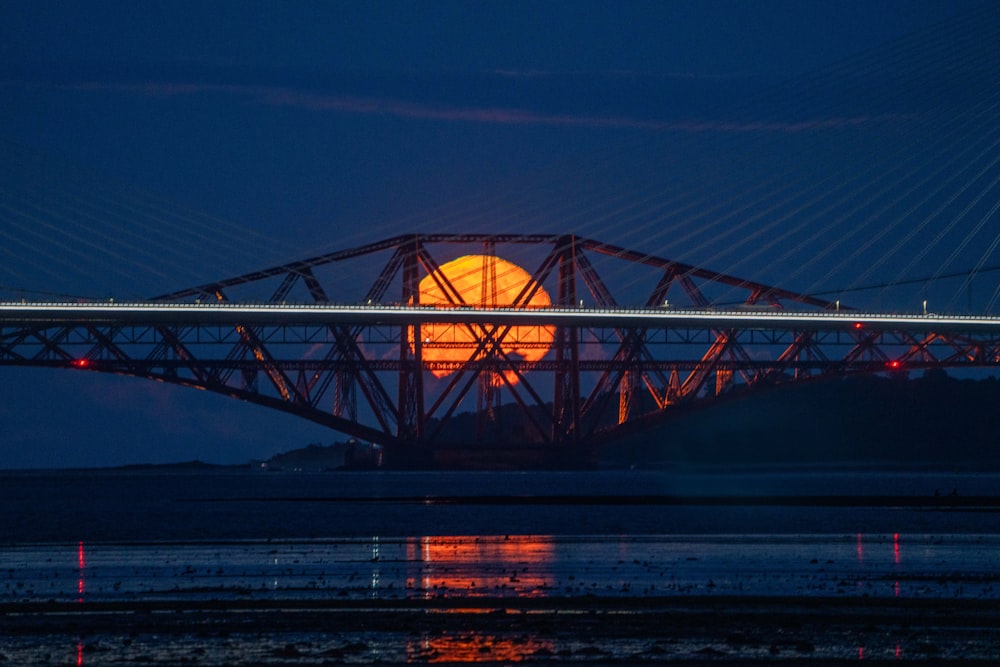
(739, 599)
(561, 630)
(225, 569)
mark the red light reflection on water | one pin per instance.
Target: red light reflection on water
(896, 557)
(513, 566)
(81, 563)
(516, 566)
(897, 654)
(472, 647)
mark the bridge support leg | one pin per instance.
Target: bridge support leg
(410, 424)
(345, 401)
(488, 413)
(567, 348)
(626, 396)
(722, 379)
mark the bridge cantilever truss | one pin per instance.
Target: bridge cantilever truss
(374, 370)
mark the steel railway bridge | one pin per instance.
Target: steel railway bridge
(388, 342)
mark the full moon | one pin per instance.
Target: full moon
(482, 281)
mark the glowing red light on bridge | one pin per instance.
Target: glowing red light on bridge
(895, 363)
(81, 363)
(857, 325)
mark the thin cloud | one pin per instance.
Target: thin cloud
(382, 106)
(506, 116)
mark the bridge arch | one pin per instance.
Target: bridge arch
(340, 339)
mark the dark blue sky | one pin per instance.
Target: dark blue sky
(278, 129)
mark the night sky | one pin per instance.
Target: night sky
(267, 132)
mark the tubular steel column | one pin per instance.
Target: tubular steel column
(360, 359)
(345, 400)
(626, 395)
(411, 386)
(488, 413)
(566, 416)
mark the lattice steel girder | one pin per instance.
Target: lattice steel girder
(606, 366)
(200, 356)
(317, 360)
(32, 340)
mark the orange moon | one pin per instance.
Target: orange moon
(482, 281)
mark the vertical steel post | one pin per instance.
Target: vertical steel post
(567, 377)
(488, 426)
(345, 401)
(626, 395)
(410, 429)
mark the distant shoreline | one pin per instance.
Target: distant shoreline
(847, 467)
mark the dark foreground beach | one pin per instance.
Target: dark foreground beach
(215, 568)
(687, 630)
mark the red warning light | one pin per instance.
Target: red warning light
(895, 363)
(81, 363)
(857, 325)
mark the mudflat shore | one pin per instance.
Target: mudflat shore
(552, 630)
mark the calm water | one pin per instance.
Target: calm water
(115, 506)
(239, 537)
(109, 535)
(893, 565)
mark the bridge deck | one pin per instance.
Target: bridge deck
(111, 313)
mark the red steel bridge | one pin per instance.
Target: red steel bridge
(563, 345)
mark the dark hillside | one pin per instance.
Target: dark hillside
(933, 421)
